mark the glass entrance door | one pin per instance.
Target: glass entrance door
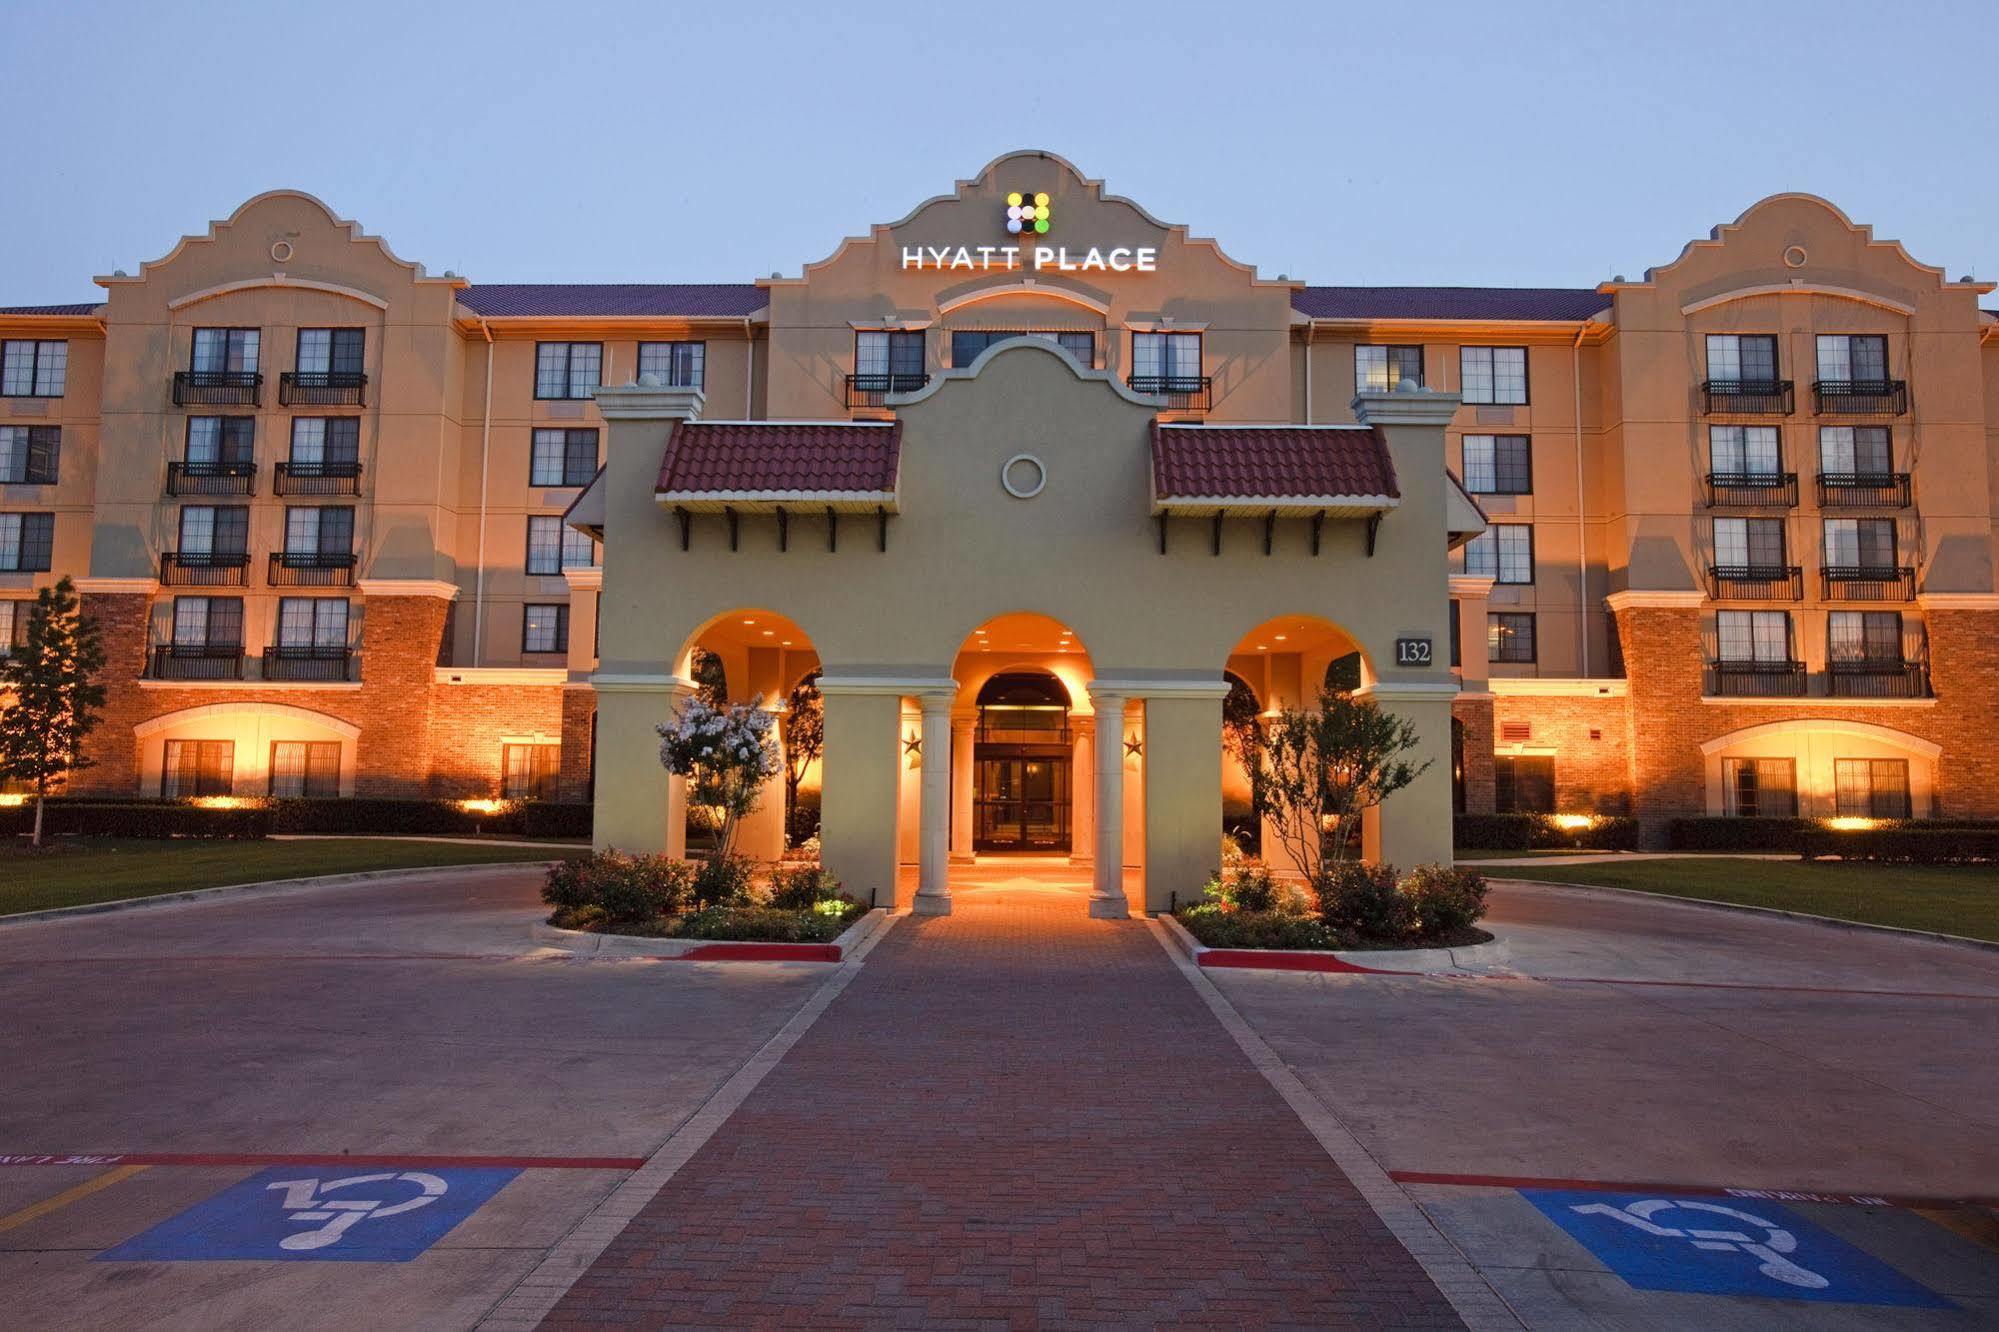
(1021, 802)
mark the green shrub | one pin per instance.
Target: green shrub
(135, 819)
(1905, 843)
(801, 887)
(1444, 898)
(1528, 832)
(1246, 886)
(724, 881)
(627, 890)
(1737, 834)
(763, 924)
(541, 818)
(1363, 898)
(1219, 926)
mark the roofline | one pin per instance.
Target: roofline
(1301, 503)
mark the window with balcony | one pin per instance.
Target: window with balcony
(225, 351)
(1853, 377)
(1749, 560)
(1860, 547)
(1871, 788)
(198, 768)
(530, 772)
(1759, 788)
(1742, 375)
(1378, 369)
(563, 458)
(30, 455)
(1492, 374)
(311, 640)
(1499, 465)
(328, 371)
(206, 641)
(545, 627)
(885, 361)
(1746, 466)
(1170, 364)
(1857, 469)
(1509, 636)
(214, 530)
(966, 345)
(33, 368)
(567, 369)
(1868, 655)
(1523, 783)
(27, 542)
(1753, 656)
(1503, 552)
(308, 768)
(1849, 359)
(218, 457)
(319, 548)
(325, 457)
(678, 364)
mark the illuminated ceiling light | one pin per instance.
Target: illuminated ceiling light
(770, 633)
(1263, 647)
(749, 621)
(1279, 637)
(785, 643)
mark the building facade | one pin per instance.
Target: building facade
(1716, 541)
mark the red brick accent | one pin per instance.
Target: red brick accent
(579, 734)
(468, 722)
(400, 638)
(1475, 715)
(1592, 771)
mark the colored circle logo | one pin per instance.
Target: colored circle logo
(1027, 212)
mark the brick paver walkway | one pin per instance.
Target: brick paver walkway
(1014, 1116)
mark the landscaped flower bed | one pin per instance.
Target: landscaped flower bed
(1347, 905)
(659, 898)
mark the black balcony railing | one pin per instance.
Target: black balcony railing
(218, 388)
(322, 478)
(1752, 489)
(1748, 397)
(322, 388)
(1756, 582)
(204, 569)
(310, 661)
(1861, 397)
(197, 661)
(1866, 582)
(1877, 679)
(1864, 490)
(314, 569)
(211, 478)
(869, 390)
(1755, 679)
(1183, 393)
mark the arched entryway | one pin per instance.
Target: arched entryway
(1022, 765)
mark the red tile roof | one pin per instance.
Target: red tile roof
(1269, 462)
(771, 457)
(685, 300)
(82, 309)
(1536, 303)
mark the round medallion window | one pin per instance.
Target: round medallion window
(282, 252)
(1023, 476)
(1795, 256)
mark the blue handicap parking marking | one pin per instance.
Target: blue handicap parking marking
(1725, 1246)
(328, 1213)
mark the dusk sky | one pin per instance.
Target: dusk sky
(1501, 144)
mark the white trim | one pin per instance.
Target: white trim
(1530, 687)
(499, 675)
(895, 685)
(1335, 506)
(1472, 585)
(408, 587)
(1655, 599)
(618, 683)
(1027, 342)
(259, 686)
(1024, 287)
(1041, 475)
(1736, 701)
(1824, 726)
(1411, 691)
(1797, 287)
(584, 578)
(276, 280)
(1165, 326)
(1951, 601)
(895, 325)
(1168, 687)
(103, 586)
(534, 738)
(154, 725)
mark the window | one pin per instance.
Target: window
(1492, 374)
(1864, 636)
(529, 772)
(1170, 362)
(1749, 543)
(1504, 552)
(1457, 644)
(1871, 788)
(317, 622)
(1378, 368)
(1499, 465)
(1759, 788)
(544, 544)
(336, 351)
(219, 443)
(327, 531)
(27, 542)
(678, 364)
(1735, 450)
(198, 768)
(207, 529)
(1523, 783)
(305, 768)
(1509, 636)
(966, 346)
(1855, 451)
(1853, 359)
(29, 455)
(13, 625)
(1753, 636)
(320, 442)
(567, 369)
(545, 628)
(31, 369)
(891, 359)
(564, 457)
(1742, 358)
(1860, 543)
(208, 622)
(579, 549)
(230, 350)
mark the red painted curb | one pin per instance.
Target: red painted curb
(1273, 959)
(1678, 1190)
(324, 1158)
(763, 952)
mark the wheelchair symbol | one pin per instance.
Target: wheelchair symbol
(308, 1200)
(1769, 1248)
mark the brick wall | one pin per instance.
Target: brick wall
(1591, 740)
(400, 640)
(579, 712)
(1474, 713)
(466, 726)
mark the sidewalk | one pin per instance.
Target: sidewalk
(1013, 1115)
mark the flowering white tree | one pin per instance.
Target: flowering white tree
(726, 753)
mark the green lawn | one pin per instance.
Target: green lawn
(108, 869)
(1546, 852)
(1950, 899)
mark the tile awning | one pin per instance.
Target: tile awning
(1340, 471)
(757, 466)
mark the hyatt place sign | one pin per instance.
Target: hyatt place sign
(1040, 258)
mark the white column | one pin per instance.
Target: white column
(933, 875)
(1107, 899)
(963, 739)
(1082, 793)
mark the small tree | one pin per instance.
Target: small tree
(1321, 770)
(726, 754)
(711, 678)
(804, 740)
(52, 695)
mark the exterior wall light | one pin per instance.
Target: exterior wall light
(1850, 823)
(482, 806)
(1573, 822)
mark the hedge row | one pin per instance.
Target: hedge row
(1916, 846)
(1526, 832)
(132, 820)
(1802, 836)
(356, 817)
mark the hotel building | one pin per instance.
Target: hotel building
(1033, 480)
